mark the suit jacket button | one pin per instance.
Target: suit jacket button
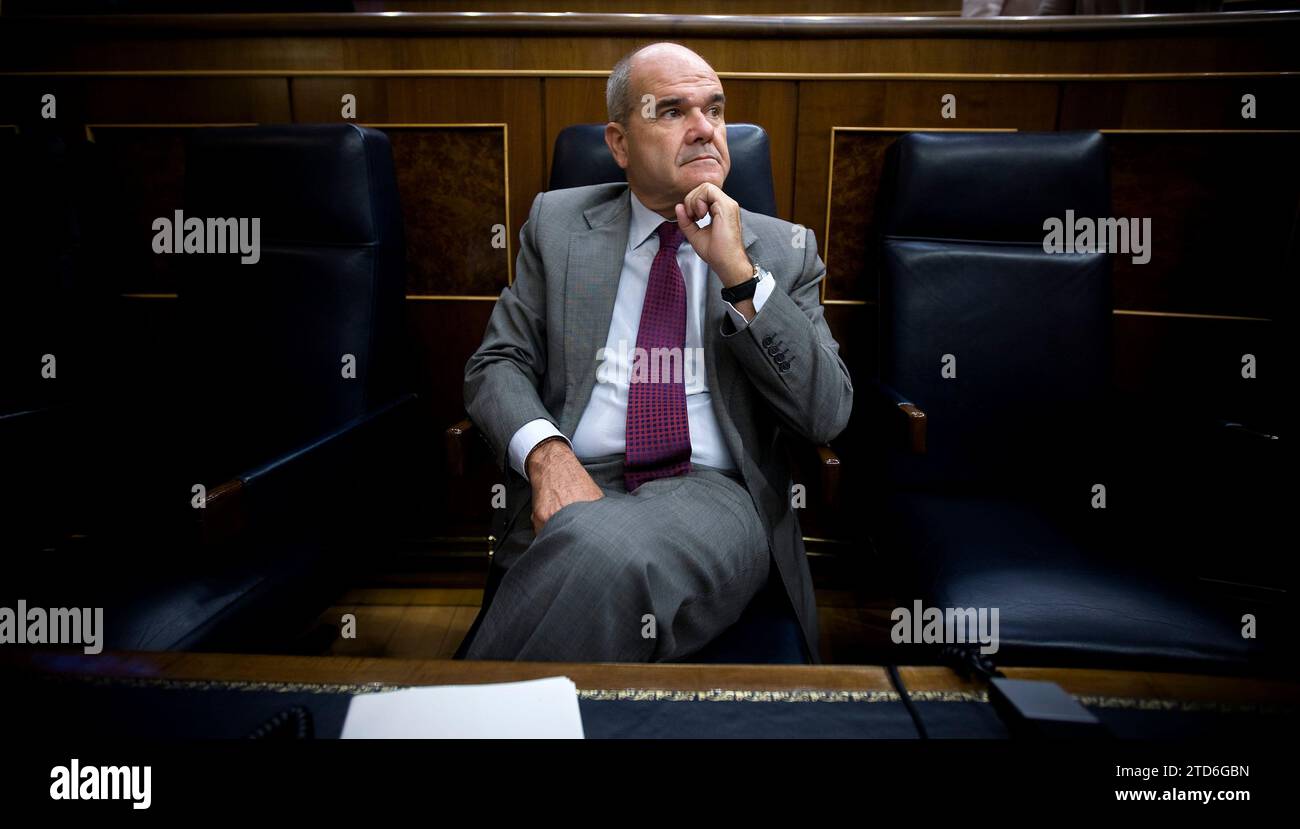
(767, 340)
(771, 349)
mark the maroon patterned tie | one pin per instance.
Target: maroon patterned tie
(658, 431)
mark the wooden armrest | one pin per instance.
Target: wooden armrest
(828, 463)
(905, 413)
(459, 440)
(914, 423)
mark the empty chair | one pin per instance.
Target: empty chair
(1012, 479)
(230, 475)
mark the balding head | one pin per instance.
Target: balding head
(666, 127)
(620, 100)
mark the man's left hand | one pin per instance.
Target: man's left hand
(720, 244)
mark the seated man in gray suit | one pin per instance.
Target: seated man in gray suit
(636, 383)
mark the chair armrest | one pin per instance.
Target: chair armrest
(228, 510)
(906, 414)
(459, 442)
(828, 465)
(463, 449)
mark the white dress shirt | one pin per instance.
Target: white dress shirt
(602, 428)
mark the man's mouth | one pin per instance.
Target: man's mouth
(703, 158)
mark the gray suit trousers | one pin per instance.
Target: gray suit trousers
(642, 577)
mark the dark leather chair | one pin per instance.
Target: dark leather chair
(987, 492)
(767, 631)
(251, 400)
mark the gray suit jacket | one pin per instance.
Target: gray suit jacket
(538, 358)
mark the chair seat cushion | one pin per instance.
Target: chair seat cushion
(1063, 598)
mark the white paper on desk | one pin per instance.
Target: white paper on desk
(538, 708)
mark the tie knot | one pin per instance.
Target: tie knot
(670, 236)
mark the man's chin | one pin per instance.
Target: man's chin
(713, 176)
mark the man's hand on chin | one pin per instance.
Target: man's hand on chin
(558, 479)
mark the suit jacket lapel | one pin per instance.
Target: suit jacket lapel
(591, 286)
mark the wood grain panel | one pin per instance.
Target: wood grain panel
(661, 6)
(516, 102)
(1195, 364)
(902, 105)
(452, 188)
(1187, 104)
(1222, 210)
(292, 43)
(159, 100)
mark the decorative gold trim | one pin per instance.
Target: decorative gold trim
(13, 127)
(1188, 315)
(1137, 703)
(604, 73)
(830, 176)
(1151, 131)
(725, 695)
(665, 695)
(90, 128)
(505, 162)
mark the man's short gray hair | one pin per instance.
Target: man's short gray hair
(618, 91)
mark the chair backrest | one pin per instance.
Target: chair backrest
(274, 337)
(968, 290)
(582, 158)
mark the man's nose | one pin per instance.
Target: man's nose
(701, 128)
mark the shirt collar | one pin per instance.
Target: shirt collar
(645, 221)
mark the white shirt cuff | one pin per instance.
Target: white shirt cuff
(529, 435)
(761, 292)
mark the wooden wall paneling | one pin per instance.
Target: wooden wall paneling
(824, 105)
(1181, 104)
(1194, 365)
(187, 100)
(568, 101)
(662, 6)
(515, 102)
(452, 185)
(20, 102)
(1222, 209)
(772, 105)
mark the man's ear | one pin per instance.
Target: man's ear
(616, 140)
